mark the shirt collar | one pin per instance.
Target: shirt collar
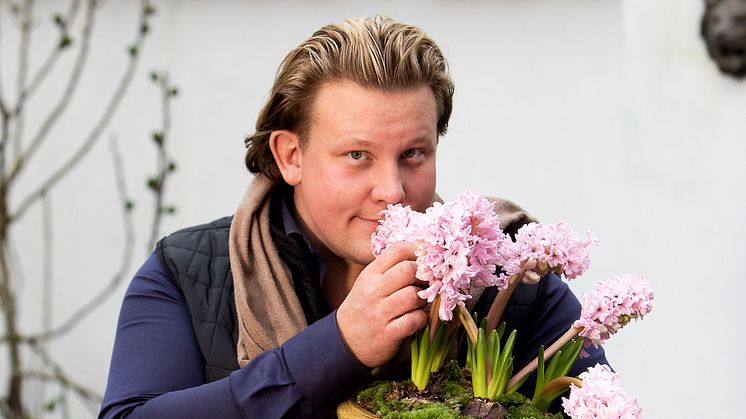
(292, 227)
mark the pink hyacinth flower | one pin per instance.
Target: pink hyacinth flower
(457, 248)
(540, 247)
(601, 396)
(613, 304)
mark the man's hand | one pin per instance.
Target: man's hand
(382, 307)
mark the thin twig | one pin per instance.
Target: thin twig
(80, 390)
(47, 284)
(164, 165)
(23, 53)
(3, 107)
(47, 260)
(94, 135)
(58, 376)
(43, 71)
(63, 102)
(129, 241)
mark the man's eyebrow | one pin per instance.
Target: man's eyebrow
(357, 142)
(353, 141)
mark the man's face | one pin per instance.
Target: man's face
(366, 148)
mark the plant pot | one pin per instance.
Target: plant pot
(350, 409)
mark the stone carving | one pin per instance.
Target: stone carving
(724, 31)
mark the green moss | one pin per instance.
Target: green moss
(379, 397)
(425, 411)
(455, 395)
(515, 399)
(391, 399)
(451, 372)
(400, 400)
(523, 412)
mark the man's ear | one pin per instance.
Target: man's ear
(285, 146)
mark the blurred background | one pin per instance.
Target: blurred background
(605, 114)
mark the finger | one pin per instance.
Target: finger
(403, 301)
(393, 254)
(407, 324)
(399, 276)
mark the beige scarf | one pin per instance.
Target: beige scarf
(268, 310)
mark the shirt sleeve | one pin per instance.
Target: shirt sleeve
(157, 370)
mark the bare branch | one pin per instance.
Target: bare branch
(64, 101)
(44, 70)
(23, 52)
(165, 165)
(47, 260)
(58, 376)
(3, 107)
(100, 297)
(103, 121)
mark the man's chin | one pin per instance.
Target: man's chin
(362, 256)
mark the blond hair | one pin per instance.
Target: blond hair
(375, 52)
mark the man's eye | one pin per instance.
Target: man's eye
(413, 152)
(356, 155)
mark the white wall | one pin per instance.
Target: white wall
(604, 114)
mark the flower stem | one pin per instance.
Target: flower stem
(499, 304)
(434, 317)
(468, 322)
(556, 346)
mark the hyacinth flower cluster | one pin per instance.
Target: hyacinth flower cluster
(459, 246)
(537, 249)
(611, 305)
(600, 396)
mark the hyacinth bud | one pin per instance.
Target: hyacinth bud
(531, 277)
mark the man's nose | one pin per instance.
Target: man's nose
(387, 186)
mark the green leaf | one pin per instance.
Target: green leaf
(539, 376)
(424, 348)
(58, 20)
(493, 346)
(501, 330)
(549, 374)
(518, 384)
(415, 352)
(508, 348)
(435, 346)
(153, 183)
(149, 9)
(570, 355)
(470, 354)
(479, 374)
(65, 41)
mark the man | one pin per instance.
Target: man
(282, 310)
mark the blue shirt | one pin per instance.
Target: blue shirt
(157, 370)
